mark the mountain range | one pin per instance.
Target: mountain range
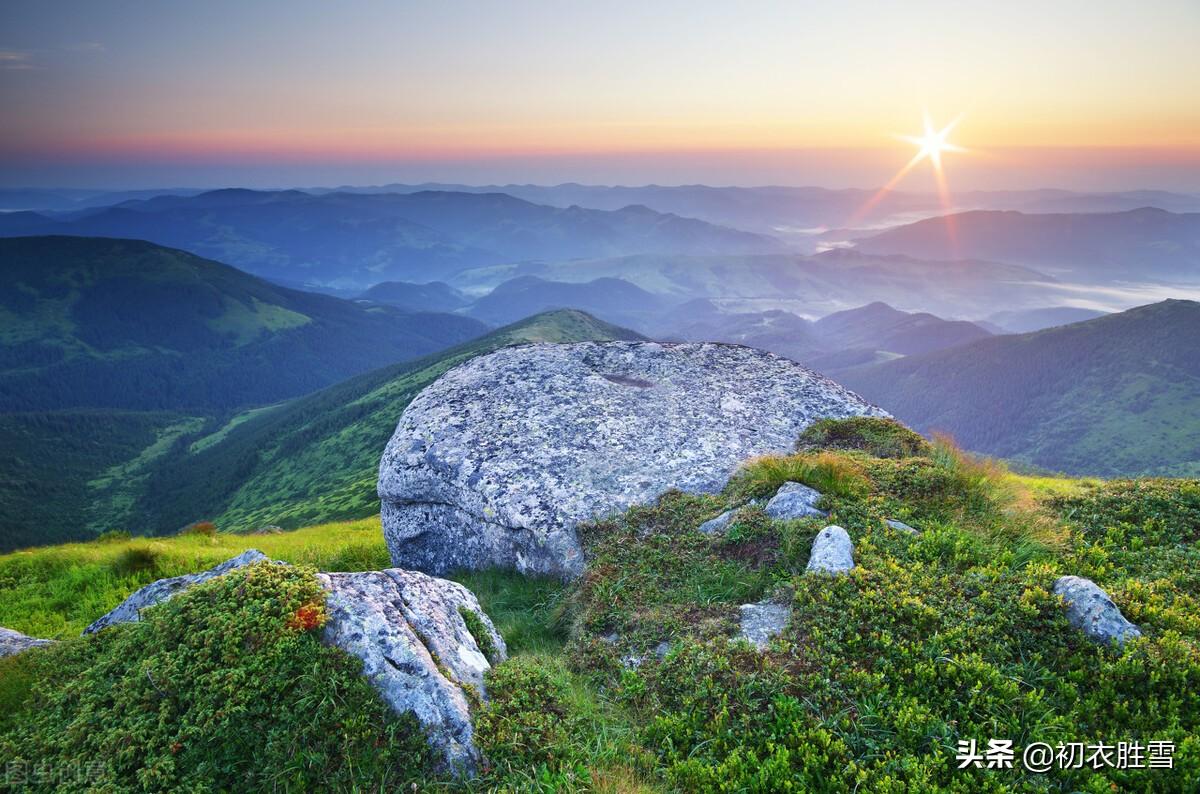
(1115, 395)
(1145, 244)
(348, 240)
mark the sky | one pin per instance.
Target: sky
(1093, 95)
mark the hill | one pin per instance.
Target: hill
(613, 299)
(877, 326)
(435, 296)
(348, 240)
(125, 324)
(809, 285)
(311, 459)
(1141, 244)
(637, 676)
(1116, 395)
(1020, 321)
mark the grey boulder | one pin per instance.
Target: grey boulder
(1090, 610)
(129, 610)
(762, 621)
(496, 462)
(409, 630)
(12, 642)
(832, 552)
(417, 650)
(794, 500)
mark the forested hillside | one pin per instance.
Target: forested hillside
(1117, 395)
(125, 324)
(311, 459)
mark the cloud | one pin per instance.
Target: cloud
(14, 60)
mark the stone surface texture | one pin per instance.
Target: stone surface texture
(794, 500)
(900, 526)
(130, 609)
(1090, 610)
(14, 642)
(762, 621)
(417, 650)
(832, 552)
(497, 462)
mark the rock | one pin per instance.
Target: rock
(129, 610)
(417, 650)
(496, 462)
(794, 500)
(900, 526)
(632, 661)
(717, 524)
(832, 552)
(762, 621)
(410, 630)
(14, 642)
(1090, 610)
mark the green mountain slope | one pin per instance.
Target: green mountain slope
(125, 324)
(1119, 394)
(311, 459)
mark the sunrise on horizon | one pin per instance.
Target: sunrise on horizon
(293, 93)
(642, 397)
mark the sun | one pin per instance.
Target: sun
(933, 143)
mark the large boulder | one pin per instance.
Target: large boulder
(14, 642)
(496, 462)
(425, 643)
(411, 632)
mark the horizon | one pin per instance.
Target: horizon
(1083, 96)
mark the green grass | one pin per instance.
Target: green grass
(948, 635)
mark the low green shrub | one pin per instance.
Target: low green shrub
(112, 536)
(224, 687)
(880, 438)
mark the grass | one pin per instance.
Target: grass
(951, 634)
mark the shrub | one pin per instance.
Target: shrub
(483, 637)
(112, 536)
(224, 687)
(881, 438)
(206, 528)
(830, 473)
(136, 560)
(523, 727)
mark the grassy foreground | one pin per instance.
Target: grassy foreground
(945, 636)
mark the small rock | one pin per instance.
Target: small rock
(717, 524)
(900, 526)
(832, 552)
(762, 621)
(794, 500)
(1090, 610)
(129, 610)
(662, 649)
(12, 642)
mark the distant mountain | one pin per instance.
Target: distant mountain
(613, 299)
(125, 324)
(1025, 320)
(877, 326)
(844, 339)
(347, 240)
(1117, 395)
(435, 296)
(1138, 245)
(312, 459)
(808, 285)
(800, 211)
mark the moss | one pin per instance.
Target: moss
(483, 637)
(226, 686)
(881, 438)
